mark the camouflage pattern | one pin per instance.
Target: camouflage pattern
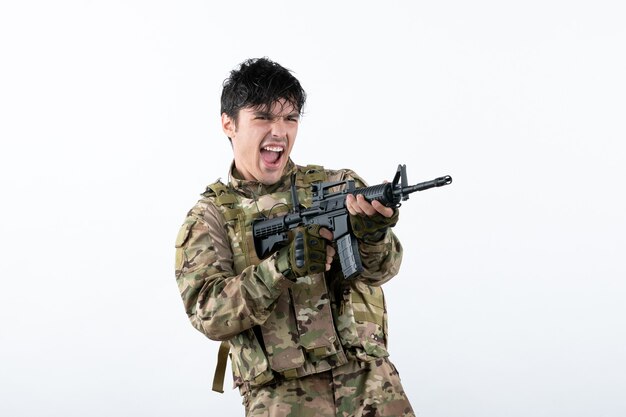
(357, 389)
(372, 228)
(279, 329)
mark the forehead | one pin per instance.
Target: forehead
(278, 108)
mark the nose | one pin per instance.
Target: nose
(279, 128)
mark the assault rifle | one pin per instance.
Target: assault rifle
(329, 210)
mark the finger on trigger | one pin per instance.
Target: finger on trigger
(326, 234)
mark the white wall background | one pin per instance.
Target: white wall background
(510, 301)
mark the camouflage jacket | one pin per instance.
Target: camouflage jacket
(277, 327)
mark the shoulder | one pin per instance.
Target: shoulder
(316, 173)
(346, 174)
(202, 221)
(206, 208)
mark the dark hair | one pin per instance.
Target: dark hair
(260, 82)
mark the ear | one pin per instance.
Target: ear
(228, 125)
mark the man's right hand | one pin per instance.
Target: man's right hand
(308, 253)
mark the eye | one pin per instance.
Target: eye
(262, 116)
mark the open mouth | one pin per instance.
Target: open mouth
(271, 155)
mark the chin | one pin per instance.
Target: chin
(272, 176)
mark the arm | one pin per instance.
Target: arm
(218, 302)
(381, 256)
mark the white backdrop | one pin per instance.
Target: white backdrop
(510, 300)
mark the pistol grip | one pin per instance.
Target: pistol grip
(299, 250)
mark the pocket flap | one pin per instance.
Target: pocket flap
(183, 233)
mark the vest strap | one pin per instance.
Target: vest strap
(313, 173)
(218, 187)
(220, 369)
(290, 373)
(225, 198)
(230, 214)
(364, 298)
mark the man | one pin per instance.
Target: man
(304, 341)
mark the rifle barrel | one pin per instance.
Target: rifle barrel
(437, 182)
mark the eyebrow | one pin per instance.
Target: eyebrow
(267, 114)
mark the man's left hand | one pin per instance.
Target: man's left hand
(359, 206)
(370, 221)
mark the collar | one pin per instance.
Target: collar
(253, 188)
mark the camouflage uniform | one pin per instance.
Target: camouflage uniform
(312, 346)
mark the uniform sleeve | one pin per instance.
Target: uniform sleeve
(381, 260)
(218, 302)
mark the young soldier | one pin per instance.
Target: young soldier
(304, 341)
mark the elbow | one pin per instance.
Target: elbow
(210, 329)
(219, 329)
(216, 334)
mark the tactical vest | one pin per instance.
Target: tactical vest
(300, 337)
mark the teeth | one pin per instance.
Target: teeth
(273, 148)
